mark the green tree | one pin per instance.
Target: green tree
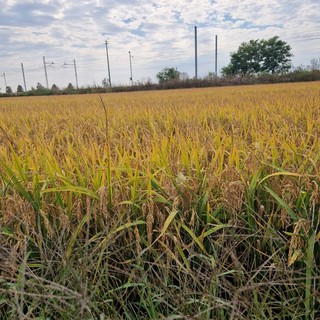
(8, 90)
(270, 56)
(19, 89)
(276, 55)
(40, 86)
(168, 74)
(55, 88)
(245, 61)
(70, 87)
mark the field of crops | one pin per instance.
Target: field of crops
(182, 204)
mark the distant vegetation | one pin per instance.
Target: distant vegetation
(255, 62)
(300, 74)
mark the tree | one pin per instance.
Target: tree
(270, 56)
(55, 88)
(314, 64)
(245, 61)
(70, 87)
(105, 83)
(276, 55)
(19, 89)
(8, 90)
(39, 86)
(168, 74)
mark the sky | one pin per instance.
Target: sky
(158, 34)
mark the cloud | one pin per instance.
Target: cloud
(27, 14)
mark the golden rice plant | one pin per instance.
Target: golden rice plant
(214, 192)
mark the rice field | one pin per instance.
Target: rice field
(182, 204)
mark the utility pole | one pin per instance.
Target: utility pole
(108, 63)
(216, 58)
(5, 81)
(196, 52)
(75, 70)
(24, 78)
(130, 58)
(45, 71)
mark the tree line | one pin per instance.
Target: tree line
(41, 90)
